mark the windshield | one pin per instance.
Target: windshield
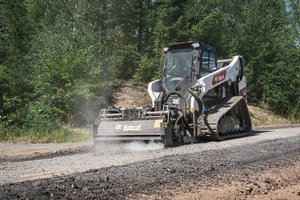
(176, 66)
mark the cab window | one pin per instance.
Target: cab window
(208, 61)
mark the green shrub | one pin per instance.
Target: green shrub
(63, 134)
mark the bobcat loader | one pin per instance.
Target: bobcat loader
(196, 98)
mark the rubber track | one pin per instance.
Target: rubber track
(208, 122)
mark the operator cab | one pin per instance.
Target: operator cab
(184, 63)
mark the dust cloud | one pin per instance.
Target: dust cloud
(134, 146)
(142, 146)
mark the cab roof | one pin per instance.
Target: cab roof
(194, 45)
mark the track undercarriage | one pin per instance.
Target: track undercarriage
(227, 120)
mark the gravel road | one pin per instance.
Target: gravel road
(149, 171)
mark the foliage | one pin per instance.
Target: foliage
(15, 36)
(63, 134)
(146, 70)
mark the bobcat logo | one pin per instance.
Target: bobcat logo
(176, 101)
(119, 127)
(219, 77)
(128, 128)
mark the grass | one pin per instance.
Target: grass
(260, 116)
(64, 134)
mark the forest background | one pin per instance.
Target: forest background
(61, 60)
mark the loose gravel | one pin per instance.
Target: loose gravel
(161, 172)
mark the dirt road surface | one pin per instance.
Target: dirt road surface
(263, 166)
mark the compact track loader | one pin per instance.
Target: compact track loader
(196, 98)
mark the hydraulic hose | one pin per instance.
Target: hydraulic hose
(183, 106)
(242, 63)
(198, 100)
